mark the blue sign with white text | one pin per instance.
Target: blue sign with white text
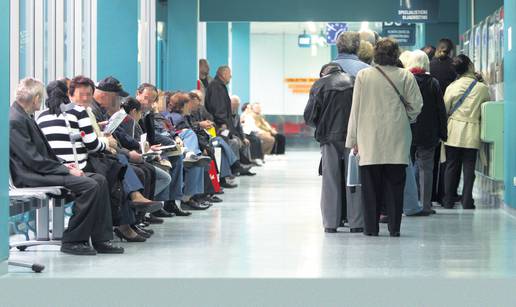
(404, 34)
(418, 10)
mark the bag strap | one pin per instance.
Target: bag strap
(403, 100)
(462, 98)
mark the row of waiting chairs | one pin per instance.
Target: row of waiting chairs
(40, 199)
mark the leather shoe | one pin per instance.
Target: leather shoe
(246, 173)
(371, 234)
(193, 205)
(162, 213)
(472, 207)
(395, 234)
(78, 248)
(228, 185)
(107, 247)
(330, 230)
(148, 207)
(356, 230)
(154, 220)
(215, 199)
(171, 206)
(141, 232)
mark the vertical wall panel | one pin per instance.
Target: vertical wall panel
(241, 59)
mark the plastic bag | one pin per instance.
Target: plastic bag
(353, 173)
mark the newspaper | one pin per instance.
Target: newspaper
(114, 121)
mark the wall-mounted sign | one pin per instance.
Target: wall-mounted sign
(404, 34)
(304, 40)
(300, 85)
(418, 10)
(333, 30)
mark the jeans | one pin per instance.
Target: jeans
(190, 141)
(228, 157)
(411, 203)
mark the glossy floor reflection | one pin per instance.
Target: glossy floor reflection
(271, 227)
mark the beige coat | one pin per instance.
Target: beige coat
(464, 123)
(379, 122)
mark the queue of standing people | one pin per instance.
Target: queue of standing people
(130, 162)
(412, 121)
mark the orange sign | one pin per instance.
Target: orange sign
(300, 85)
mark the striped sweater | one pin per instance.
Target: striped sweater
(58, 136)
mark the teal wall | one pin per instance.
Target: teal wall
(435, 31)
(4, 130)
(306, 10)
(464, 16)
(484, 8)
(181, 71)
(117, 41)
(510, 105)
(217, 45)
(241, 59)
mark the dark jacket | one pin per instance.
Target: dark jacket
(238, 126)
(443, 71)
(329, 106)
(431, 124)
(31, 159)
(218, 103)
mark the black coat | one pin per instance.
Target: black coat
(431, 124)
(443, 71)
(218, 103)
(329, 106)
(31, 159)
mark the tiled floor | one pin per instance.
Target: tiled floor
(271, 227)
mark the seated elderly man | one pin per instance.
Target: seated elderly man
(33, 164)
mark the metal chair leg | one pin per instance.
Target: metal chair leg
(42, 222)
(58, 217)
(38, 268)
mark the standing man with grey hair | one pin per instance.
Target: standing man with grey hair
(348, 45)
(218, 102)
(33, 163)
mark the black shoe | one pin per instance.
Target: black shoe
(192, 205)
(448, 206)
(472, 207)
(123, 237)
(395, 234)
(246, 173)
(371, 234)
(141, 232)
(356, 230)
(457, 198)
(162, 213)
(148, 207)
(78, 248)
(107, 247)
(171, 206)
(421, 213)
(215, 199)
(330, 230)
(220, 192)
(154, 220)
(228, 185)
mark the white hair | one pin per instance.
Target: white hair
(405, 58)
(29, 88)
(418, 59)
(235, 97)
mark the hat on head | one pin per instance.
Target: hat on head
(111, 84)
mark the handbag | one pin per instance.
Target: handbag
(353, 172)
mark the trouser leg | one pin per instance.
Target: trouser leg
(453, 164)
(411, 203)
(91, 211)
(163, 180)
(331, 192)
(175, 188)
(425, 160)
(194, 181)
(190, 141)
(468, 164)
(267, 142)
(394, 178)
(372, 198)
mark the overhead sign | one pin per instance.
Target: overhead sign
(304, 40)
(404, 34)
(333, 30)
(418, 10)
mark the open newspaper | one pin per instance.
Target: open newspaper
(114, 121)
